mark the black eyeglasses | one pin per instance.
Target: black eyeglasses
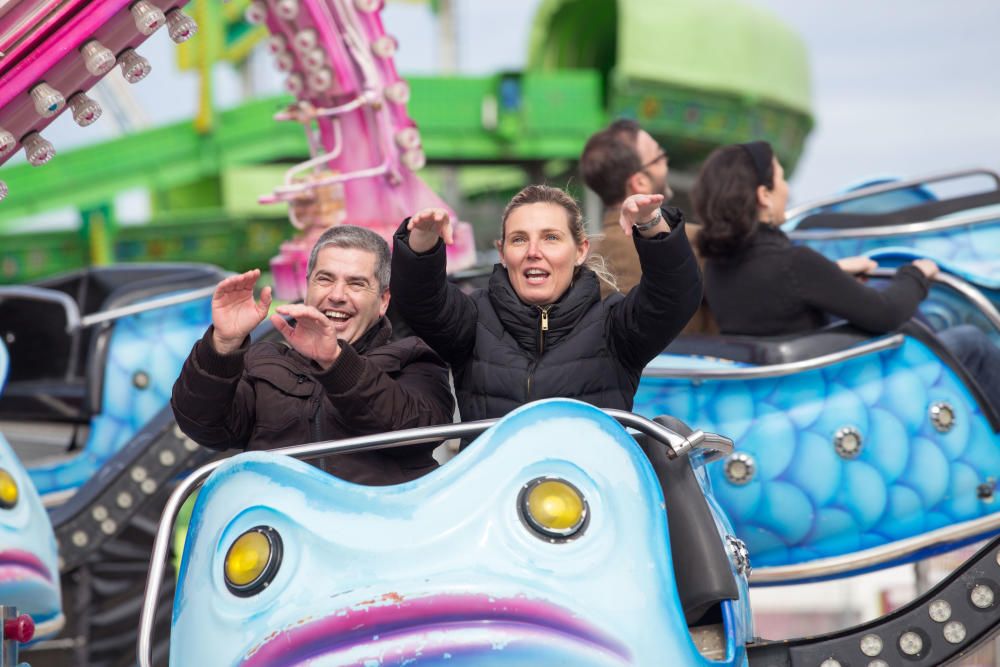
(662, 155)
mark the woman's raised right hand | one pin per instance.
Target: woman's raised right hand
(235, 313)
(427, 226)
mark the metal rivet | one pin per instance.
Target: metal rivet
(981, 596)
(124, 500)
(148, 486)
(190, 445)
(109, 526)
(80, 538)
(954, 632)
(830, 662)
(847, 442)
(178, 433)
(939, 611)
(911, 643)
(871, 645)
(878, 663)
(138, 474)
(998, 557)
(140, 380)
(100, 513)
(61, 563)
(740, 468)
(942, 416)
(167, 458)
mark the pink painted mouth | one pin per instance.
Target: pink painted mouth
(18, 565)
(404, 624)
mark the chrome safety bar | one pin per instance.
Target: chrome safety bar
(894, 230)
(73, 319)
(775, 370)
(714, 446)
(890, 187)
(973, 295)
(887, 553)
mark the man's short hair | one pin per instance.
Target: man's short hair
(359, 238)
(610, 158)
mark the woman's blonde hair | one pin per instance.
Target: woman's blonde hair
(546, 194)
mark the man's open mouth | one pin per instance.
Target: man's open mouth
(466, 629)
(338, 316)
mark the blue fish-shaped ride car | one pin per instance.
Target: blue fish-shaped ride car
(29, 573)
(544, 542)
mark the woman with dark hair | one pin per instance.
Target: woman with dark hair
(540, 329)
(758, 283)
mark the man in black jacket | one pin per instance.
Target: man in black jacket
(338, 375)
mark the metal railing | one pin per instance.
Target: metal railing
(796, 211)
(714, 446)
(894, 230)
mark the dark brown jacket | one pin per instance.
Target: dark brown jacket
(618, 250)
(267, 395)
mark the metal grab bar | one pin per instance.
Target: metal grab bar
(890, 187)
(776, 370)
(75, 322)
(893, 230)
(715, 446)
(973, 295)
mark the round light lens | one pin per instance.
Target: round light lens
(911, 643)
(553, 507)
(939, 611)
(954, 632)
(871, 645)
(982, 596)
(8, 490)
(252, 561)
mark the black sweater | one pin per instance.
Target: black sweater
(773, 287)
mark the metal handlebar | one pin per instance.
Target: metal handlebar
(714, 446)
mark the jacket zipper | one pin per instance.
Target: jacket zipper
(541, 345)
(317, 427)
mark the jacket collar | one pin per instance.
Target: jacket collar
(377, 335)
(770, 235)
(524, 321)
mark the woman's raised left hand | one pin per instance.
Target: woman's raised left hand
(638, 209)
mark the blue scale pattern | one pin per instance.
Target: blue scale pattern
(805, 501)
(154, 343)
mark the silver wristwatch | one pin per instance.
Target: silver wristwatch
(649, 224)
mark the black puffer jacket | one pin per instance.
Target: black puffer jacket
(267, 395)
(504, 353)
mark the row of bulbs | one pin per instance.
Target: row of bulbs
(99, 60)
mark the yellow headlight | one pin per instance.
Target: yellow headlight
(8, 490)
(253, 560)
(553, 507)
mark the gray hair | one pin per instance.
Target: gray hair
(359, 238)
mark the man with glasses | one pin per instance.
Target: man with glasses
(617, 162)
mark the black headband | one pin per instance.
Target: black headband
(761, 155)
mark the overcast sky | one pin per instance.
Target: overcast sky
(900, 87)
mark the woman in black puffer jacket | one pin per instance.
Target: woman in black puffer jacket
(540, 329)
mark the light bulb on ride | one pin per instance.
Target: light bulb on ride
(180, 26)
(319, 81)
(414, 159)
(277, 44)
(85, 110)
(368, 6)
(7, 142)
(305, 40)
(135, 68)
(293, 84)
(408, 138)
(385, 46)
(284, 61)
(147, 16)
(256, 12)
(36, 149)
(48, 101)
(398, 92)
(3, 190)
(287, 9)
(314, 59)
(97, 58)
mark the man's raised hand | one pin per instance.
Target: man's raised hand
(427, 226)
(313, 335)
(235, 313)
